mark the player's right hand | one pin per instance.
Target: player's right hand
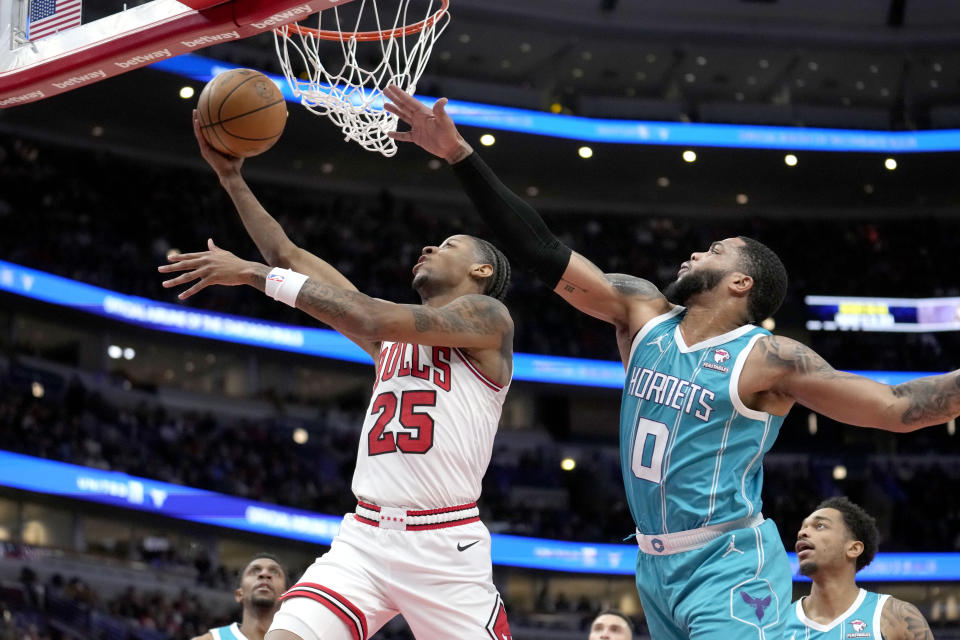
(214, 266)
(430, 128)
(223, 165)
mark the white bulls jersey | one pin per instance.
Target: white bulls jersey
(428, 433)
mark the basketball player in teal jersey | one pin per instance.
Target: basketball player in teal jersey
(261, 583)
(706, 392)
(834, 543)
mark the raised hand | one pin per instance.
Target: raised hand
(215, 266)
(223, 165)
(431, 129)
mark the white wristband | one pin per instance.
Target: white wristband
(284, 285)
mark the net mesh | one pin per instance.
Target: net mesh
(339, 71)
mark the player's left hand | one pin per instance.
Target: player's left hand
(214, 266)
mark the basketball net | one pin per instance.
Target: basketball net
(392, 51)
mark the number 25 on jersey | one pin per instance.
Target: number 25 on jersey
(418, 437)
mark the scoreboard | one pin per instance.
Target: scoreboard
(899, 315)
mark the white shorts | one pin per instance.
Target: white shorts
(440, 580)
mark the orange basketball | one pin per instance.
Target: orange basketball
(242, 113)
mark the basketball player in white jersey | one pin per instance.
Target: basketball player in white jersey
(834, 543)
(258, 592)
(415, 544)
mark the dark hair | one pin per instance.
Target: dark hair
(769, 279)
(619, 614)
(268, 556)
(861, 525)
(496, 286)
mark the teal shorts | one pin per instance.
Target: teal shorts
(737, 587)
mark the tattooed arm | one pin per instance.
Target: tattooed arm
(472, 321)
(902, 621)
(624, 301)
(793, 370)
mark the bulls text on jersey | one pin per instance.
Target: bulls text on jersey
(403, 359)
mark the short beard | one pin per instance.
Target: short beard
(682, 289)
(808, 568)
(263, 603)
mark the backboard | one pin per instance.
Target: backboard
(124, 41)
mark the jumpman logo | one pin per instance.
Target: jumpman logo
(658, 342)
(758, 605)
(732, 547)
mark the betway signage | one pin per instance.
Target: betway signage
(128, 40)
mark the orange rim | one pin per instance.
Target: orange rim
(367, 36)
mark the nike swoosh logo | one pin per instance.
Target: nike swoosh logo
(464, 547)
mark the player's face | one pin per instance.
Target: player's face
(822, 542)
(609, 627)
(722, 255)
(445, 264)
(262, 582)
(705, 270)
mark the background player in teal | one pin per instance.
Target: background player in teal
(705, 394)
(834, 543)
(259, 587)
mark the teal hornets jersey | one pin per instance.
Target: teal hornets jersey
(691, 452)
(230, 632)
(861, 620)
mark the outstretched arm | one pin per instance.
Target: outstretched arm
(274, 244)
(624, 301)
(471, 321)
(903, 621)
(796, 371)
(272, 241)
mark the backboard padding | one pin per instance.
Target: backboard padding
(135, 38)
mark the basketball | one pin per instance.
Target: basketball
(242, 113)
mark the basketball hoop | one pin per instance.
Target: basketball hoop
(386, 52)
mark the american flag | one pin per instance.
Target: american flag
(49, 16)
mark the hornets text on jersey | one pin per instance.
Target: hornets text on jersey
(691, 452)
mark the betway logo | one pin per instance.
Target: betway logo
(75, 80)
(230, 35)
(33, 95)
(149, 57)
(284, 17)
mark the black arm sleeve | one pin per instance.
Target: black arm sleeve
(520, 229)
